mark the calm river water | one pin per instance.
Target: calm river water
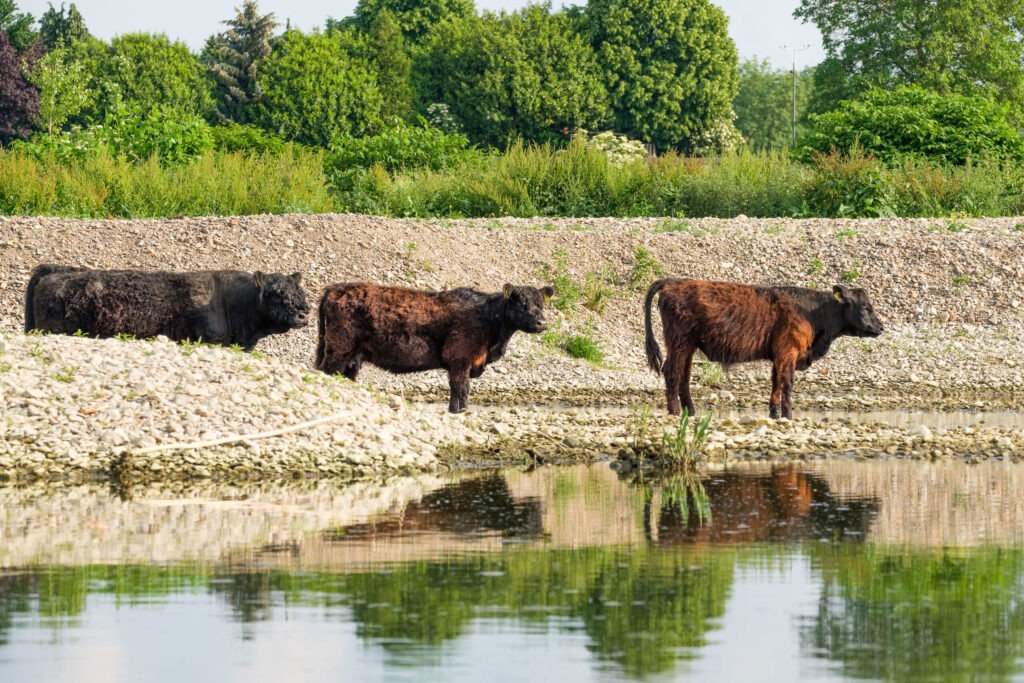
(831, 571)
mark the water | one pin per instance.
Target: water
(828, 572)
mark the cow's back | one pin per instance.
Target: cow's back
(729, 322)
(108, 303)
(396, 328)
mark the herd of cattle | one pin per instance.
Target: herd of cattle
(460, 330)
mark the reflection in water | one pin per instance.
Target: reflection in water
(614, 575)
(936, 616)
(784, 504)
(475, 505)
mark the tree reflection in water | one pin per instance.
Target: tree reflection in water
(885, 612)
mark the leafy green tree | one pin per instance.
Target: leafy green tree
(62, 89)
(522, 75)
(151, 71)
(942, 45)
(233, 57)
(313, 89)
(393, 65)
(415, 18)
(764, 103)
(19, 99)
(670, 66)
(62, 28)
(910, 120)
(17, 25)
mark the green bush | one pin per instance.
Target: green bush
(235, 137)
(910, 120)
(352, 161)
(174, 137)
(848, 186)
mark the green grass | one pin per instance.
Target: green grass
(645, 268)
(524, 181)
(579, 346)
(218, 184)
(684, 446)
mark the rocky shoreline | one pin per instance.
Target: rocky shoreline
(950, 294)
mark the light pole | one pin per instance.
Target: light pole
(794, 50)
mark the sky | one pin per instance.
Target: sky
(760, 28)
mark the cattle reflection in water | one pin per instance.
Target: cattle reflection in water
(472, 506)
(784, 504)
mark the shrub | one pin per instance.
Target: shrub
(846, 186)
(399, 148)
(910, 120)
(619, 149)
(174, 137)
(236, 137)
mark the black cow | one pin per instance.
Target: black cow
(215, 306)
(734, 323)
(408, 330)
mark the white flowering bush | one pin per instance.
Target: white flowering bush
(619, 149)
(721, 138)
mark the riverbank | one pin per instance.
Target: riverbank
(949, 292)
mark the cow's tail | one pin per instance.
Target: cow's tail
(38, 273)
(321, 333)
(654, 358)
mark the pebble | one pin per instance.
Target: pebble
(127, 396)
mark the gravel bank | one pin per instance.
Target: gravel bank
(951, 294)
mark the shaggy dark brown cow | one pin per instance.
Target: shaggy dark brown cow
(215, 306)
(408, 330)
(734, 323)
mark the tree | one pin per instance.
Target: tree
(910, 120)
(393, 65)
(764, 103)
(62, 89)
(232, 58)
(151, 71)
(669, 66)
(941, 45)
(19, 99)
(58, 29)
(415, 18)
(313, 89)
(17, 25)
(522, 75)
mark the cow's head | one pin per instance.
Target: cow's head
(282, 299)
(858, 315)
(525, 307)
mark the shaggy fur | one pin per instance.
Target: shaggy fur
(734, 323)
(408, 330)
(218, 306)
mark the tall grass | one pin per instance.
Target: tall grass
(219, 183)
(527, 180)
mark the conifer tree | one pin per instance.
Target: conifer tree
(233, 57)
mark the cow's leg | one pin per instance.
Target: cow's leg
(351, 368)
(458, 386)
(780, 404)
(676, 370)
(775, 400)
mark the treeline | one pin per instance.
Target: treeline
(436, 109)
(532, 75)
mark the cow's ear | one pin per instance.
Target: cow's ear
(508, 290)
(839, 291)
(297, 277)
(259, 279)
(548, 292)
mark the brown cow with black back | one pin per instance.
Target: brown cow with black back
(408, 330)
(733, 323)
